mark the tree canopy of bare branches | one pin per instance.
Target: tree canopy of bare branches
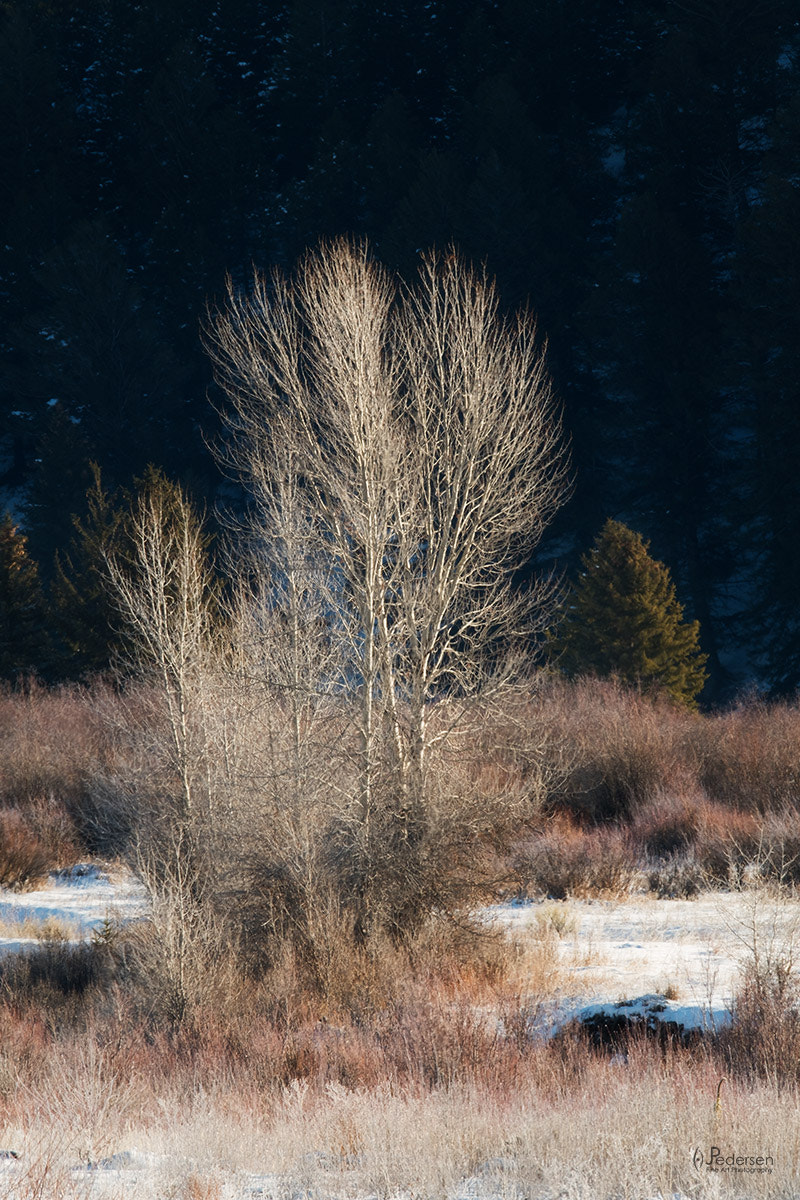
(333, 731)
(409, 437)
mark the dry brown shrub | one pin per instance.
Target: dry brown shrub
(749, 757)
(200, 1187)
(50, 741)
(727, 841)
(678, 876)
(567, 859)
(618, 747)
(763, 1039)
(779, 845)
(53, 824)
(56, 974)
(57, 747)
(35, 838)
(24, 1050)
(691, 842)
(24, 858)
(723, 846)
(668, 822)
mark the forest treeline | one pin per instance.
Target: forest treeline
(630, 170)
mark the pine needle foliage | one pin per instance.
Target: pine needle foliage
(623, 619)
(87, 620)
(24, 641)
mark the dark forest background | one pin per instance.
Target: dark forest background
(629, 169)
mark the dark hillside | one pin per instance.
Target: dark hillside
(629, 169)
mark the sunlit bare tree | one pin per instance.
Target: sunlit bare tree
(165, 591)
(409, 438)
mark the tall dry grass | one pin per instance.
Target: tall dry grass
(438, 1084)
(52, 741)
(749, 757)
(532, 1122)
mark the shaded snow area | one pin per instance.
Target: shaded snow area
(137, 1175)
(679, 960)
(72, 904)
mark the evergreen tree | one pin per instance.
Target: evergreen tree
(87, 621)
(90, 630)
(57, 486)
(624, 619)
(23, 619)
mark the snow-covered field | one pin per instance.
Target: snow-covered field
(690, 953)
(687, 953)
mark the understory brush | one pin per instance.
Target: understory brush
(52, 741)
(763, 1038)
(748, 757)
(570, 789)
(35, 838)
(616, 746)
(619, 749)
(436, 1088)
(51, 970)
(642, 793)
(53, 744)
(567, 859)
(24, 858)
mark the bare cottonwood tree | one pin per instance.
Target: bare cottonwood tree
(282, 696)
(411, 434)
(165, 591)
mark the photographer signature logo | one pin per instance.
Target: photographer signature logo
(716, 1158)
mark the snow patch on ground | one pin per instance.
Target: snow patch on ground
(79, 900)
(634, 948)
